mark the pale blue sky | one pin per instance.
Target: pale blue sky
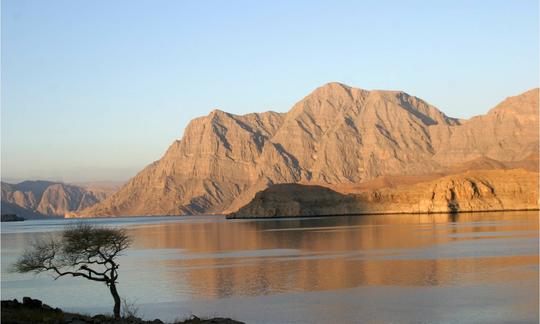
(96, 90)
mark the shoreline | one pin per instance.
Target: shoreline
(227, 216)
(389, 213)
(35, 311)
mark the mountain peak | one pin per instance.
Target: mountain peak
(334, 85)
(524, 103)
(331, 89)
(329, 98)
(217, 111)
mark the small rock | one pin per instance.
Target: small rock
(32, 303)
(78, 321)
(74, 319)
(99, 319)
(11, 304)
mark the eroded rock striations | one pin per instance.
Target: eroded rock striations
(491, 190)
(335, 135)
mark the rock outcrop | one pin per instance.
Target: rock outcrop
(335, 135)
(35, 311)
(36, 199)
(491, 190)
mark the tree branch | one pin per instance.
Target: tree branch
(75, 274)
(90, 270)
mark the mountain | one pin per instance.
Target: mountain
(35, 199)
(508, 132)
(335, 135)
(487, 190)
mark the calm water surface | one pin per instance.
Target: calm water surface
(402, 268)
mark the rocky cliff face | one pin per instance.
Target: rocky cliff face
(508, 132)
(335, 135)
(470, 191)
(34, 199)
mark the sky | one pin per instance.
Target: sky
(96, 90)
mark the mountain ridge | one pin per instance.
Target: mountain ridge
(40, 198)
(335, 135)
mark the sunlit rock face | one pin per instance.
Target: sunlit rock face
(486, 190)
(508, 132)
(337, 135)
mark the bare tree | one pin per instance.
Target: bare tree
(81, 250)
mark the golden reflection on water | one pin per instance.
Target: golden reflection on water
(226, 258)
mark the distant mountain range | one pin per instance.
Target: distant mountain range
(37, 199)
(336, 136)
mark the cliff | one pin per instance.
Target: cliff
(491, 190)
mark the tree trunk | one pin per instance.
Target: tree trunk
(116, 297)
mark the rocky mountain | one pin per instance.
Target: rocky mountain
(34, 199)
(491, 190)
(335, 135)
(508, 132)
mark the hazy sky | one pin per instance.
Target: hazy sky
(95, 90)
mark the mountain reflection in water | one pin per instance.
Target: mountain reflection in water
(186, 259)
(221, 259)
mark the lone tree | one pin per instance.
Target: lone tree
(81, 250)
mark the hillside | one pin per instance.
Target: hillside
(491, 190)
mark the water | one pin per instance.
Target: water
(480, 267)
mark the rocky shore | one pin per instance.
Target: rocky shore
(35, 311)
